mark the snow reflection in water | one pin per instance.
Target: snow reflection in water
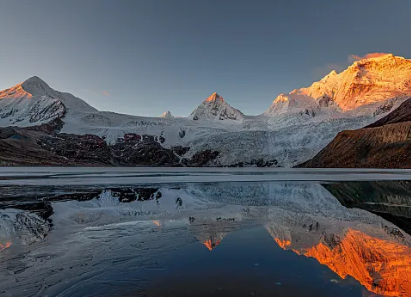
(214, 239)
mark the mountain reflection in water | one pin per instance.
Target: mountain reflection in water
(135, 241)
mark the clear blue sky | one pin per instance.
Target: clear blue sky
(147, 56)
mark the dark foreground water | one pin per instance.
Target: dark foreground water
(72, 234)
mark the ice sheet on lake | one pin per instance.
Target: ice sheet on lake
(155, 175)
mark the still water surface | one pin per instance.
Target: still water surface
(88, 234)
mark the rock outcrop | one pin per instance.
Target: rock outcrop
(144, 151)
(19, 146)
(87, 149)
(203, 158)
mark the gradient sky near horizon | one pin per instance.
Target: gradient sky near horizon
(144, 57)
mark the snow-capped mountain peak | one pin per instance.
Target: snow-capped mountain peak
(167, 115)
(371, 79)
(330, 75)
(34, 102)
(376, 57)
(215, 108)
(214, 97)
(36, 86)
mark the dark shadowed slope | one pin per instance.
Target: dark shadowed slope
(388, 199)
(384, 144)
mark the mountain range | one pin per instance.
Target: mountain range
(294, 128)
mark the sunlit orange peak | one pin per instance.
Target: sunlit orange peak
(210, 244)
(383, 267)
(283, 243)
(214, 97)
(5, 246)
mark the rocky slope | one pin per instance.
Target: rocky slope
(19, 147)
(384, 144)
(42, 146)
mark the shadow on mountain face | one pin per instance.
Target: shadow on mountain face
(389, 199)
